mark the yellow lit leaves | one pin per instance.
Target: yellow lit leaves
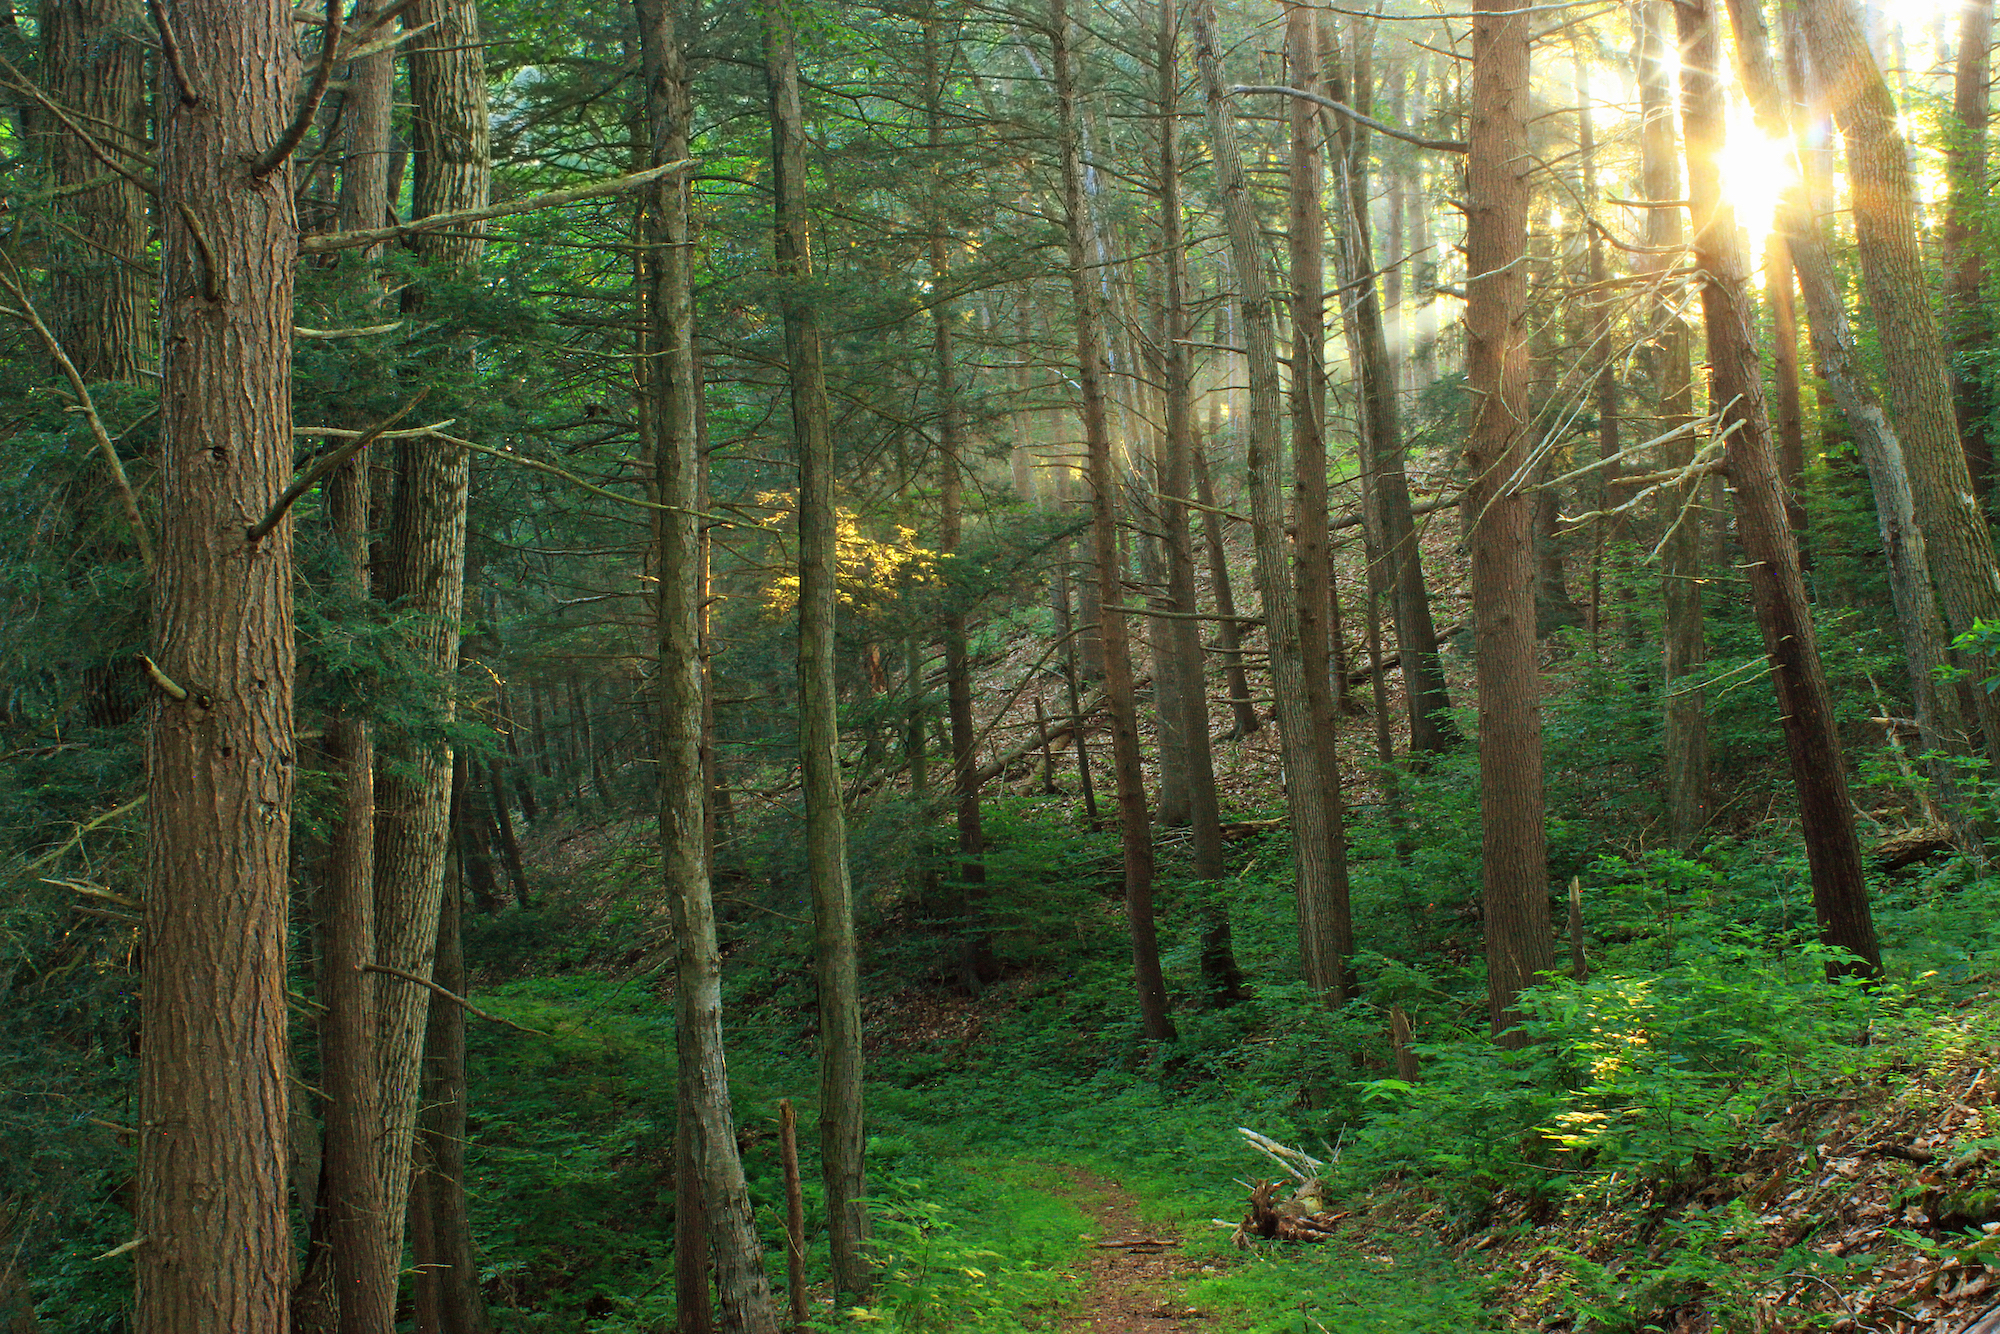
(872, 572)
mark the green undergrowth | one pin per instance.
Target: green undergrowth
(1351, 1285)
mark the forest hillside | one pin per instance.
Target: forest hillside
(1009, 666)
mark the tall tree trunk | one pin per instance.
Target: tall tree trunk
(1513, 853)
(1777, 589)
(1893, 278)
(1219, 970)
(425, 573)
(1941, 730)
(216, 1255)
(1326, 926)
(1134, 826)
(834, 964)
(1685, 706)
(100, 295)
(976, 963)
(705, 1132)
(447, 1279)
(1307, 798)
(1388, 484)
(1603, 531)
(1971, 328)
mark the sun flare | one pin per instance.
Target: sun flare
(1756, 170)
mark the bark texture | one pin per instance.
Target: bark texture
(213, 1101)
(423, 574)
(1499, 512)
(1964, 266)
(100, 294)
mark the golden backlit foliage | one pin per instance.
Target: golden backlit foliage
(872, 572)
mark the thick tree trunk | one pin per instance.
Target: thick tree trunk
(424, 572)
(1134, 826)
(216, 1255)
(1513, 852)
(705, 1134)
(1777, 589)
(1219, 970)
(1685, 703)
(835, 968)
(1941, 729)
(100, 294)
(1971, 328)
(1895, 282)
(1307, 797)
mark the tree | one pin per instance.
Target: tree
(1321, 915)
(834, 967)
(1499, 517)
(216, 1251)
(1777, 589)
(1964, 265)
(1916, 368)
(1135, 837)
(423, 575)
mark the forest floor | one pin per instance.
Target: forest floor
(1133, 1274)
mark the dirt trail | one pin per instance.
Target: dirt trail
(1134, 1288)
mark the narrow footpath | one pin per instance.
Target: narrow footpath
(1134, 1277)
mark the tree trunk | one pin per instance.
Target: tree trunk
(1134, 827)
(835, 968)
(705, 1133)
(1894, 280)
(1326, 926)
(100, 295)
(976, 962)
(447, 1278)
(1219, 971)
(1777, 589)
(1791, 408)
(1942, 735)
(510, 846)
(1963, 262)
(1603, 531)
(1307, 797)
(1513, 854)
(217, 1252)
(425, 573)
(1685, 706)
(1388, 484)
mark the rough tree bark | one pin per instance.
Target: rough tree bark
(1306, 796)
(100, 294)
(834, 964)
(1777, 589)
(1121, 707)
(1499, 512)
(216, 1254)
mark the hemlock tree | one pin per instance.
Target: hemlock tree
(215, 1255)
(834, 964)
